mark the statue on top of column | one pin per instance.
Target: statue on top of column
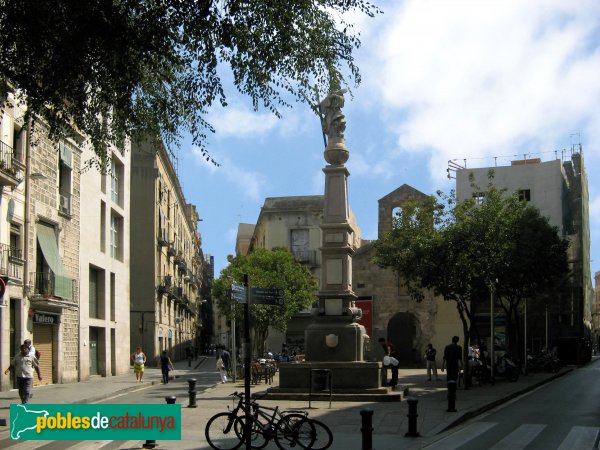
(334, 122)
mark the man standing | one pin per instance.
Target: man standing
(452, 359)
(24, 365)
(388, 349)
(430, 361)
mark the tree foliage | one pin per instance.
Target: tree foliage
(462, 251)
(117, 68)
(275, 268)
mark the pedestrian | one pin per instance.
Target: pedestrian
(452, 359)
(165, 366)
(139, 360)
(430, 353)
(226, 357)
(32, 349)
(388, 349)
(24, 365)
(221, 368)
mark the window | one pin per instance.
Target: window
(18, 143)
(116, 181)
(96, 293)
(116, 236)
(102, 226)
(478, 198)
(524, 195)
(112, 296)
(65, 165)
(299, 243)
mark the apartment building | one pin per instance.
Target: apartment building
(40, 236)
(559, 189)
(166, 257)
(104, 265)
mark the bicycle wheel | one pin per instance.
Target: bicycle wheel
(257, 436)
(323, 437)
(294, 430)
(221, 432)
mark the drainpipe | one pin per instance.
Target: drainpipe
(27, 221)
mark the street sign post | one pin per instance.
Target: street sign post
(238, 293)
(267, 296)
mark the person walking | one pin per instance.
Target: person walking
(226, 357)
(388, 349)
(165, 366)
(139, 360)
(24, 365)
(221, 368)
(452, 359)
(430, 361)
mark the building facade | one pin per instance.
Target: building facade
(39, 241)
(166, 257)
(559, 189)
(104, 265)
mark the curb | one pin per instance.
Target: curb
(476, 412)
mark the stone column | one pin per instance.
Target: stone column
(334, 335)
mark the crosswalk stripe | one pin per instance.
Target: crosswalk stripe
(519, 438)
(462, 436)
(579, 437)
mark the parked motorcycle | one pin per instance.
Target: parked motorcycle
(507, 368)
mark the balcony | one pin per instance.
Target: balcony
(11, 169)
(49, 290)
(306, 257)
(11, 262)
(164, 284)
(162, 239)
(171, 251)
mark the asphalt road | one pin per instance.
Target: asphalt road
(564, 415)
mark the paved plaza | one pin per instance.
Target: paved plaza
(390, 421)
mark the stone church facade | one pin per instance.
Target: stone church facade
(410, 325)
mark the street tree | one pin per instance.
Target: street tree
(138, 67)
(464, 251)
(275, 268)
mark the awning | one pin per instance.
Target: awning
(63, 284)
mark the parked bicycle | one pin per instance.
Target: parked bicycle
(289, 429)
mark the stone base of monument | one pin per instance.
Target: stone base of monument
(350, 381)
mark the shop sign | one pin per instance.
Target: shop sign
(46, 319)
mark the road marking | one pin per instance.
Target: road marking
(520, 438)
(462, 436)
(579, 437)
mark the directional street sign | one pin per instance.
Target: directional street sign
(238, 292)
(267, 296)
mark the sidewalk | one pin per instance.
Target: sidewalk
(390, 421)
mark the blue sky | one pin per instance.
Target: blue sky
(441, 80)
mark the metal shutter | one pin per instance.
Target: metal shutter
(42, 341)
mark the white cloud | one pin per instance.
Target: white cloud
(471, 78)
(236, 121)
(248, 183)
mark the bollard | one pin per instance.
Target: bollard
(192, 392)
(451, 396)
(170, 399)
(412, 417)
(367, 428)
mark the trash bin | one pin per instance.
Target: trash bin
(320, 380)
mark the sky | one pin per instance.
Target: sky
(474, 80)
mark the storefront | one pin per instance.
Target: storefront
(45, 325)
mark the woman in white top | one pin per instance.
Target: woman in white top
(139, 359)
